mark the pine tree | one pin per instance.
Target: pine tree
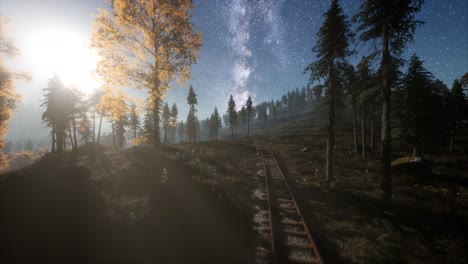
(393, 22)
(317, 90)
(248, 107)
(215, 124)
(191, 118)
(456, 110)
(365, 91)
(174, 115)
(414, 111)
(332, 49)
(181, 131)
(273, 110)
(232, 115)
(134, 120)
(58, 110)
(243, 118)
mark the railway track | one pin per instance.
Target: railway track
(287, 237)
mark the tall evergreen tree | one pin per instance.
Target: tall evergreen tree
(215, 124)
(181, 131)
(243, 118)
(248, 107)
(364, 92)
(332, 49)
(58, 110)
(174, 115)
(456, 110)
(134, 120)
(191, 126)
(414, 111)
(232, 115)
(393, 23)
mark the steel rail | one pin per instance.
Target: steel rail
(275, 231)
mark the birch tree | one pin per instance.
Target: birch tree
(146, 44)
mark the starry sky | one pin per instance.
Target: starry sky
(258, 48)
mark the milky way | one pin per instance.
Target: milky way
(261, 47)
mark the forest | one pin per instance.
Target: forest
(364, 162)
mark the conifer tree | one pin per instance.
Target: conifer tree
(134, 120)
(243, 118)
(332, 49)
(248, 107)
(456, 110)
(174, 115)
(181, 131)
(232, 115)
(58, 110)
(393, 23)
(191, 126)
(414, 111)
(364, 92)
(166, 122)
(215, 124)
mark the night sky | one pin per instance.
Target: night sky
(258, 47)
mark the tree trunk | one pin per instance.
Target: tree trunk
(372, 127)
(94, 124)
(386, 148)
(363, 129)
(232, 132)
(59, 140)
(113, 133)
(156, 136)
(74, 133)
(248, 126)
(451, 144)
(71, 137)
(355, 136)
(331, 129)
(194, 127)
(99, 131)
(53, 139)
(173, 133)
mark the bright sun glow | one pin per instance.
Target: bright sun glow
(65, 53)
